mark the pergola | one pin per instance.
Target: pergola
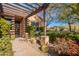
(24, 10)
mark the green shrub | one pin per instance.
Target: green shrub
(5, 40)
(44, 48)
(31, 30)
(5, 46)
(74, 36)
(33, 40)
(12, 37)
(53, 35)
(41, 29)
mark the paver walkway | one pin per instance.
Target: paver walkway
(24, 48)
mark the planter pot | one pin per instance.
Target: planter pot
(44, 40)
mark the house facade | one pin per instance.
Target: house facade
(19, 24)
(18, 14)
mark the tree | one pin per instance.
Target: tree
(67, 12)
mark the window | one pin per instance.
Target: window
(35, 23)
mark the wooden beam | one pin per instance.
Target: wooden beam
(5, 8)
(18, 18)
(14, 13)
(29, 4)
(45, 5)
(8, 14)
(15, 9)
(14, 6)
(23, 6)
(1, 9)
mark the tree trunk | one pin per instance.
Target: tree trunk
(74, 28)
(69, 24)
(45, 25)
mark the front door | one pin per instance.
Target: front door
(17, 29)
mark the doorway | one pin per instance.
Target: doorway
(17, 29)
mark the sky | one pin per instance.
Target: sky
(54, 22)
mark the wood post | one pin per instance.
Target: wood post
(1, 10)
(44, 17)
(12, 31)
(45, 38)
(13, 26)
(22, 28)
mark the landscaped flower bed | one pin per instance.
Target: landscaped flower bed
(64, 46)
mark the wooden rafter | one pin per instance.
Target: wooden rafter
(4, 8)
(24, 6)
(12, 5)
(38, 10)
(8, 14)
(15, 9)
(30, 5)
(15, 13)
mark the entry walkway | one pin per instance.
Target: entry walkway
(23, 48)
